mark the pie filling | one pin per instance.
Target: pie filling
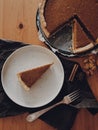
(54, 16)
(88, 33)
(29, 77)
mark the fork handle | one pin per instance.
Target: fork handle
(36, 115)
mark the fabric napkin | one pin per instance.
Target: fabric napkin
(61, 117)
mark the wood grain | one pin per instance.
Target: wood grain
(18, 22)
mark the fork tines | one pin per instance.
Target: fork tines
(75, 95)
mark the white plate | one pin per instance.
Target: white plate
(45, 89)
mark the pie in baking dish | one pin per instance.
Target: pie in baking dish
(83, 15)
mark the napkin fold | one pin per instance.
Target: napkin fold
(61, 117)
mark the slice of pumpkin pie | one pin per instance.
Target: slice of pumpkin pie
(81, 42)
(29, 77)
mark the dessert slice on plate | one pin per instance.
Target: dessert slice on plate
(29, 77)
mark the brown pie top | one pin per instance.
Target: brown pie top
(55, 13)
(29, 77)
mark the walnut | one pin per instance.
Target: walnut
(90, 65)
(86, 66)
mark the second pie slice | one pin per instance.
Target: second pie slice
(80, 43)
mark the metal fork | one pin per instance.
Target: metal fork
(66, 100)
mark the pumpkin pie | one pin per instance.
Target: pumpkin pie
(55, 13)
(29, 77)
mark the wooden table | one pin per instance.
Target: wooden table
(18, 22)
